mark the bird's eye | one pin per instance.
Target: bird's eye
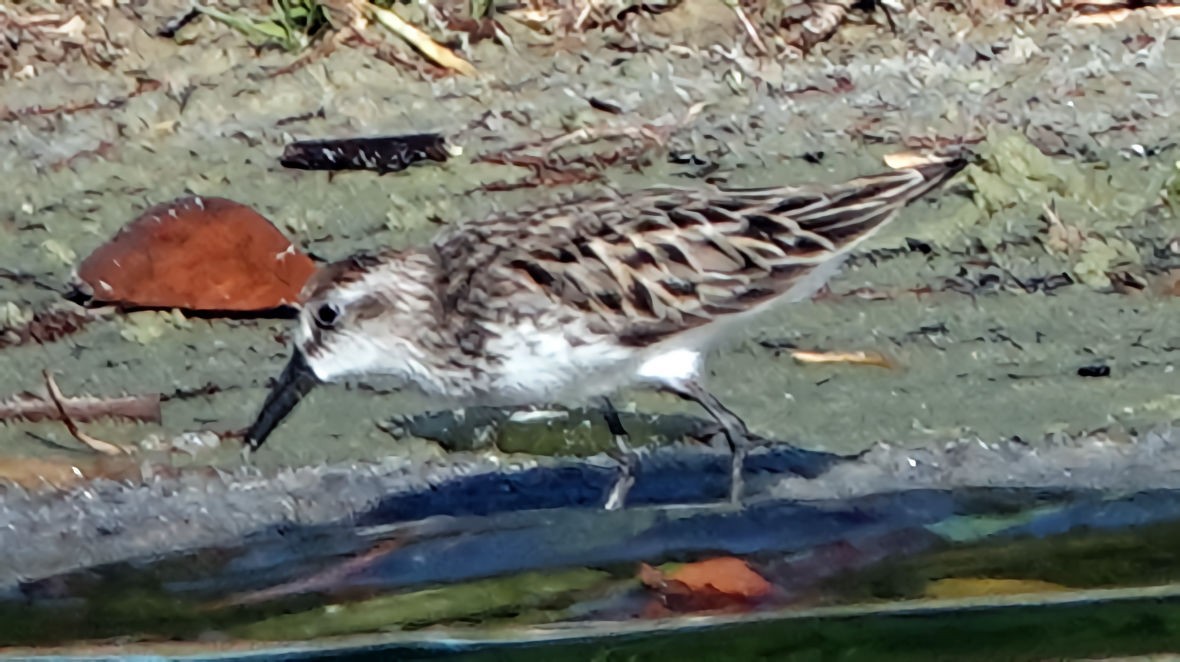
(326, 315)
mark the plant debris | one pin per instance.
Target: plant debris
(295, 24)
(292, 24)
(561, 18)
(381, 154)
(35, 38)
(104, 447)
(549, 169)
(806, 24)
(435, 52)
(33, 407)
(851, 358)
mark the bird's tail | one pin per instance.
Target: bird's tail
(813, 223)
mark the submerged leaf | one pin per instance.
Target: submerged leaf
(720, 584)
(728, 575)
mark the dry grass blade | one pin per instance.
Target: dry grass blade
(435, 52)
(104, 447)
(850, 358)
(748, 26)
(909, 159)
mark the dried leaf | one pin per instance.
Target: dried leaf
(727, 574)
(721, 584)
(196, 254)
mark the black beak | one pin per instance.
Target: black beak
(296, 381)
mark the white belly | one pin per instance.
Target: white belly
(545, 366)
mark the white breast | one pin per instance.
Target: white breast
(545, 366)
(539, 366)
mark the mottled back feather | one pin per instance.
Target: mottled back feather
(657, 262)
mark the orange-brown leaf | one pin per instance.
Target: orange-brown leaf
(727, 574)
(197, 254)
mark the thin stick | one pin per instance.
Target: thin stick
(99, 445)
(31, 407)
(852, 358)
(748, 26)
(584, 14)
(434, 51)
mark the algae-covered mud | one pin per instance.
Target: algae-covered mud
(1027, 308)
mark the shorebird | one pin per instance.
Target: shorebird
(578, 299)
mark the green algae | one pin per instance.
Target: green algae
(1020, 193)
(482, 599)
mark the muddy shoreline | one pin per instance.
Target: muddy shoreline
(107, 522)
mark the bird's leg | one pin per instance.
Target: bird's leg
(622, 454)
(734, 427)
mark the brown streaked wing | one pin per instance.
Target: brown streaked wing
(662, 261)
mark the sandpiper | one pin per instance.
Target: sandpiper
(578, 299)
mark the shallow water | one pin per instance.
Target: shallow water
(363, 528)
(974, 573)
